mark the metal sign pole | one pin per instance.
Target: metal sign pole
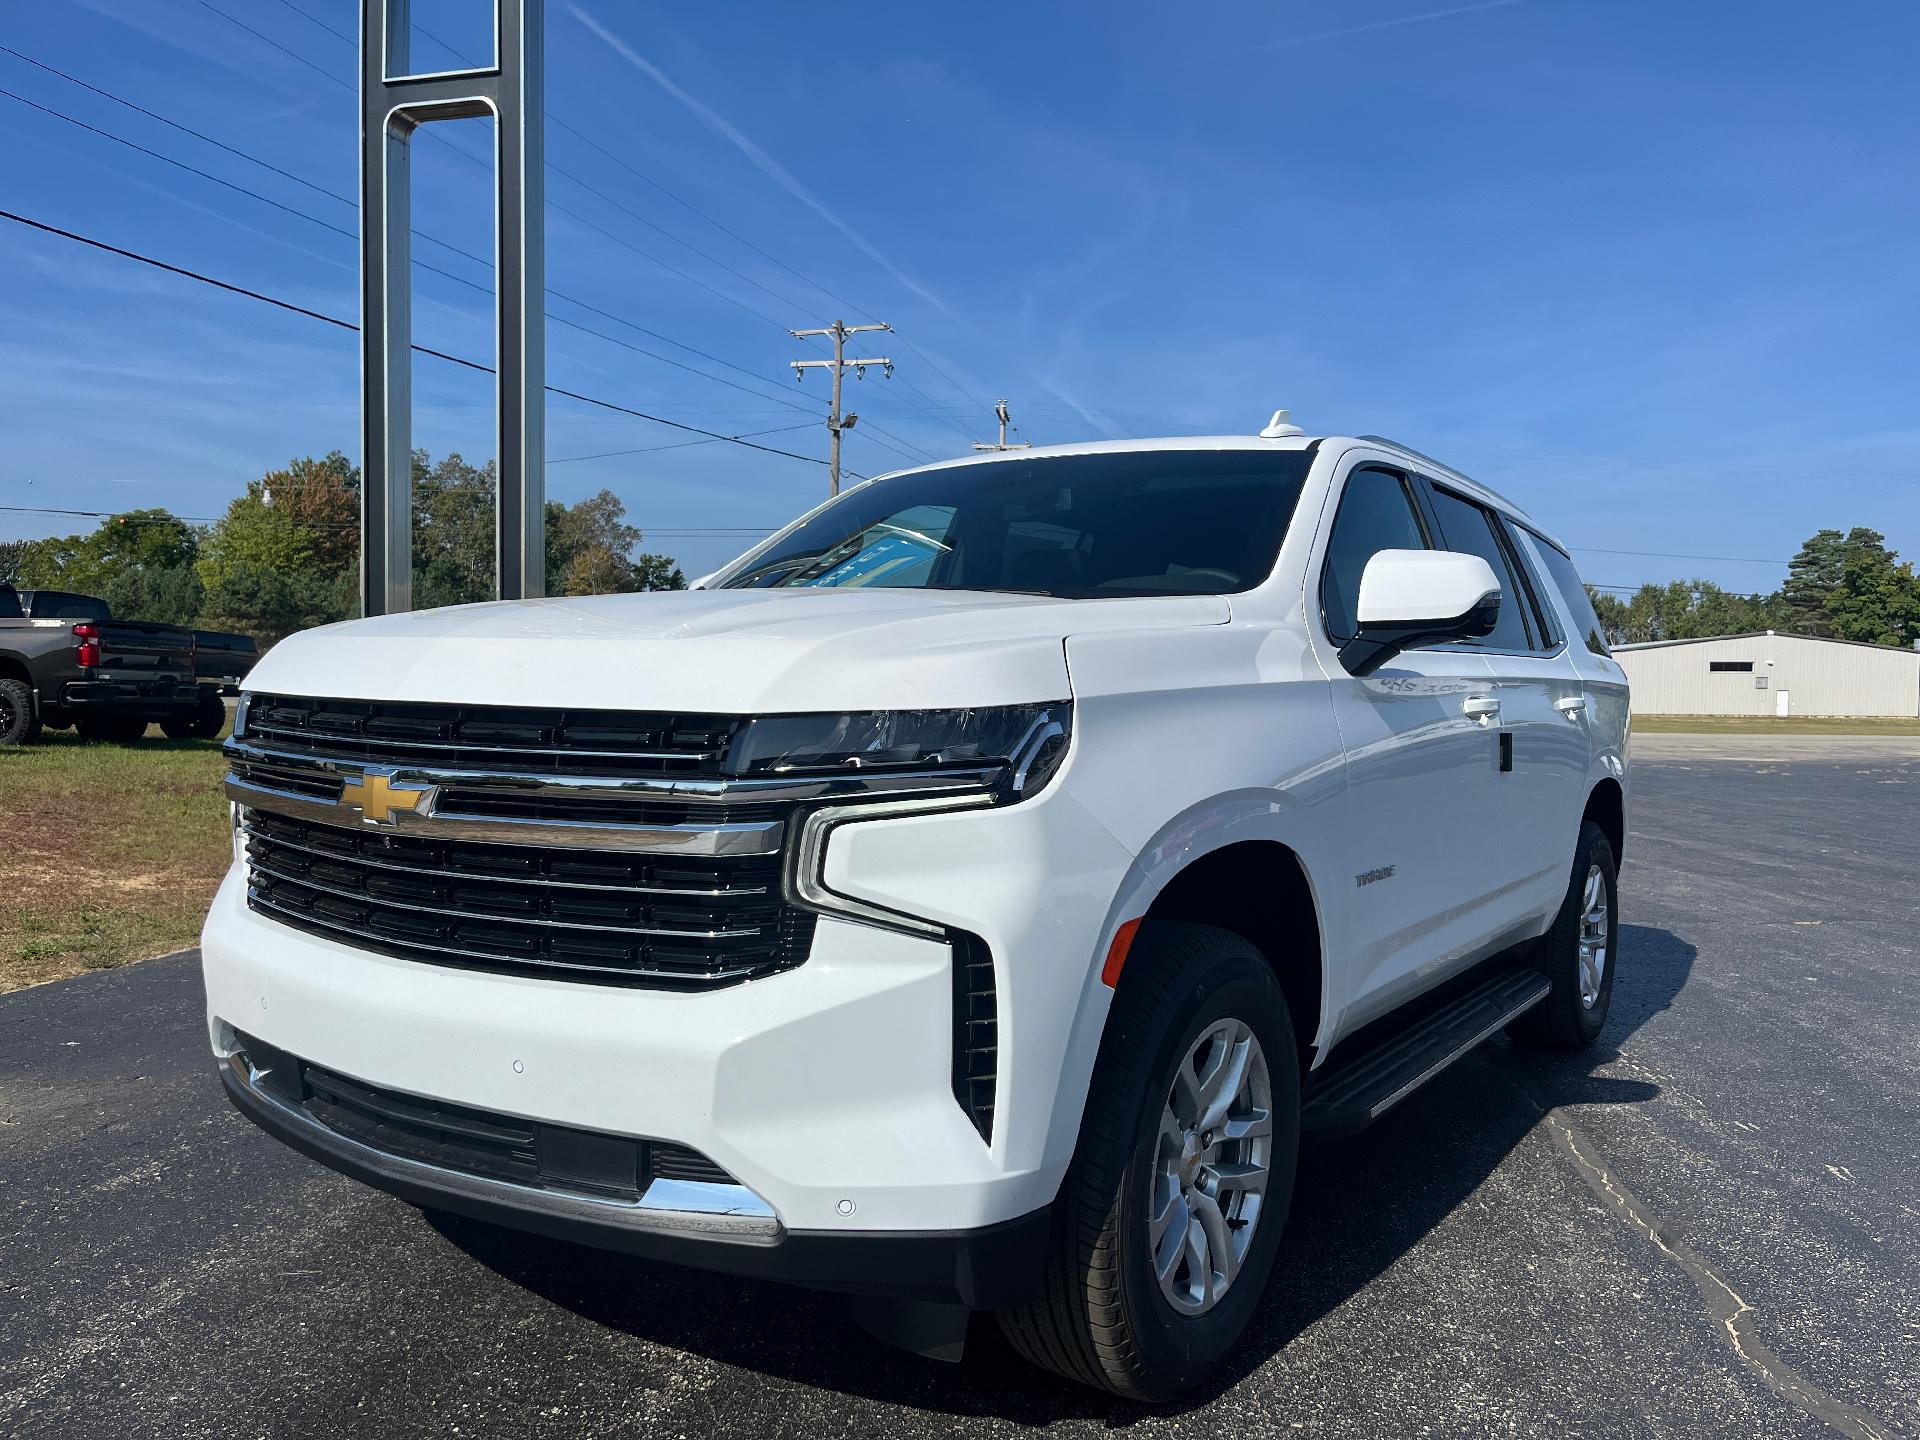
(393, 104)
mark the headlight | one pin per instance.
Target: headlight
(1025, 742)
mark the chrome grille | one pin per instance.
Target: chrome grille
(533, 740)
(607, 917)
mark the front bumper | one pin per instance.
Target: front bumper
(983, 1269)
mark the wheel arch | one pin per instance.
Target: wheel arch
(1260, 891)
(1607, 808)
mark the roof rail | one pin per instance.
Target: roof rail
(1417, 454)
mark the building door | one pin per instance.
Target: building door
(1783, 703)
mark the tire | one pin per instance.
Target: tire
(1103, 1318)
(116, 729)
(209, 716)
(1575, 1010)
(204, 722)
(19, 725)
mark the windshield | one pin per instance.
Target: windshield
(1170, 522)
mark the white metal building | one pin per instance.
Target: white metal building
(1771, 674)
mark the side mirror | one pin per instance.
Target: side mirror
(1415, 597)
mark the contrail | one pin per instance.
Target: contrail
(767, 165)
(1387, 24)
(787, 181)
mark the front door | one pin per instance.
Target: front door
(1421, 767)
(1546, 751)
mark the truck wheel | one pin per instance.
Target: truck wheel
(18, 723)
(1579, 953)
(209, 716)
(118, 729)
(1166, 1227)
(205, 722)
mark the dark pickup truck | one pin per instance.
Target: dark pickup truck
(64, 660)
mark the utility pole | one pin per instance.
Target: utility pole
(1000, 410)
(839, 365)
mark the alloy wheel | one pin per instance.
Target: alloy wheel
(1596, 933)
(1211, 1163)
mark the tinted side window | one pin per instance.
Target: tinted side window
(1468, 528)
(1546, 620)
(10, 604)
(65, 605)
(1566, 580)
(1375, 514)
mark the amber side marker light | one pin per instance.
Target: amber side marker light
(1117, 953)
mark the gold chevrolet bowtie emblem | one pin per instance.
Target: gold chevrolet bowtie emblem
(375, 797)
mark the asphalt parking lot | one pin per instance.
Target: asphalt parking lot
(1709, 1226)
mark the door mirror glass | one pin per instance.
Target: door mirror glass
(1416, 597)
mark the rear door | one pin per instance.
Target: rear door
(1420, 774)
(1544, 753)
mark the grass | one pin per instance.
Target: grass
(1769, 725)
(108, 853)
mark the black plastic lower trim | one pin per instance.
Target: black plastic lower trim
(983, 1269)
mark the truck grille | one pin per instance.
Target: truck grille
(589, 915)
(493, 737)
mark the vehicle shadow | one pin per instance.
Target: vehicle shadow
(1359, 1205)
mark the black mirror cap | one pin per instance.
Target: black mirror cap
(1373, 647)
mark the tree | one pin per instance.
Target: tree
(171, 594)
(591, 550)
(133, 541)
(1811, 576)
(1876, 599)
(285, 556)
(12, 553)
(1685, 610)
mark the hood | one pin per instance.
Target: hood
(724, 651)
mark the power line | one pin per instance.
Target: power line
(337, 322)
(1674, 555)
(552, 204)
(293, 210)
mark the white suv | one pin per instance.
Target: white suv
(965, 900)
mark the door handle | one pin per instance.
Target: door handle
(1574, 707)
(1481, 707)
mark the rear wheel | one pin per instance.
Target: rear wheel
(204, 722)
(1579, 952)
(116, 729)
(18, 723)
(1167, 1225)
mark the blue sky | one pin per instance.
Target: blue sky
(1650, 269)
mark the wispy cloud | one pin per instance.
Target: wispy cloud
(761, 160)
(1387, 24)
(791, 183)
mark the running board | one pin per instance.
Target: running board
(1359, 1091)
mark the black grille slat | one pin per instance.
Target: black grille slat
(976, 1030)
(670, 922)
(538, 741)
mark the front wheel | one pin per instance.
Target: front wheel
(1166, 1228)
(1580, 953)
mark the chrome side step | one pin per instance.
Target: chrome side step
(1358, 1091)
